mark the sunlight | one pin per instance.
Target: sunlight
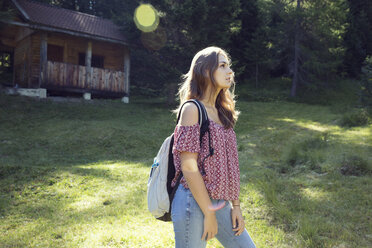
(357, 135)
(310, 125)
(360, 136)
(146, 18)
(286, 120)
(315, 194)
(85, 203)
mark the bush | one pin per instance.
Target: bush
(340, 93)
(353, 165)
(144, 91)
(314, 97)
(307, 152)
(262, 95)
(355, 118)
(366, 82)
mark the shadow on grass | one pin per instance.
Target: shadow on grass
(46, 220)
(41, 140)
(319, 205)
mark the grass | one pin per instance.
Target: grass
(74, 174)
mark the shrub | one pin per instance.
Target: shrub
(307, 152)
(354, 165)
(262, 95)
(144, 91)
(366, 82)
(355, 118)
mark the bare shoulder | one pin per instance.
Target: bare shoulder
(189, 114)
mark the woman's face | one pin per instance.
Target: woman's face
(223, 74)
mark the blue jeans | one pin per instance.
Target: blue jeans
(188, 223)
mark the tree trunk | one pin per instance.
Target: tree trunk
(296, 52)
(171, 93)
(256, 75)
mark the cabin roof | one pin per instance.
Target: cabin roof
(68, 20)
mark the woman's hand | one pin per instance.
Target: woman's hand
(210, 226)
(237, 220)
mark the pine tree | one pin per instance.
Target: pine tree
(6, 12)
(247, 41)
(307, 38)
(358, 38)
(366, 82)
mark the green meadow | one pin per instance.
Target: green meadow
(74, 174)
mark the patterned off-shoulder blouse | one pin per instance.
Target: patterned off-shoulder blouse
(222, 175)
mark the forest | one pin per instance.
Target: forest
(74, 172)
(304, 48)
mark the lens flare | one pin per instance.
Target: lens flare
(154, 40)
(146, 18)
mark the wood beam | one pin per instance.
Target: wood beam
(65, 54)
(88, 64)
(126, 70)
(43, 59)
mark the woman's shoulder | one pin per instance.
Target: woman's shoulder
(189, 114)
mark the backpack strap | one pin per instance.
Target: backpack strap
(202, 112)
(204, 127)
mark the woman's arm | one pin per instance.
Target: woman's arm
(190, 170)
(237, 218)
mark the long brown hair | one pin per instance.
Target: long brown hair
(195, 84)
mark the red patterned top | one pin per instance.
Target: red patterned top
(222, 178)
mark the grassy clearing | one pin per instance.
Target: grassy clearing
(74, 174)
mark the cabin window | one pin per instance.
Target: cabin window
(5, 61)
(6, 68)
(55, 53)
(97, 61)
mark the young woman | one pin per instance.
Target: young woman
(207, 206)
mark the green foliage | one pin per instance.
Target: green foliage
(358, 38)
(354, 165)
(306, 152)
(270, 90)
(320, 52)
(74, 174)
(366, 83)
(248, 41)
(262, 95)
(6, 12)
(355, 118)
(259, 34)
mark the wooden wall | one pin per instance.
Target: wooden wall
(27, 54)
(22, 65)
(113, 53)
(35, 59)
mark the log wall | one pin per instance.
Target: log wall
(35, 59)
(27, 63)
(22, 65)
(112, 53)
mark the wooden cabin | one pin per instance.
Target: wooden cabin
(64, 50)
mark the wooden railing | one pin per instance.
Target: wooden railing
(74, 76)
